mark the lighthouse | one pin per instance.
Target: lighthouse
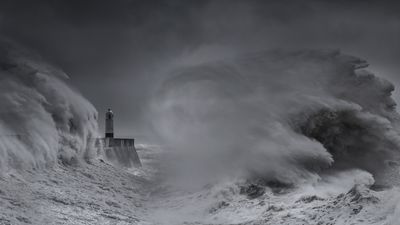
(120, 151)
(109, 124)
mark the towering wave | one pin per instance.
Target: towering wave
(42, 119)
(282, 115)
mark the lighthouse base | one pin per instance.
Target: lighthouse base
(120, 151)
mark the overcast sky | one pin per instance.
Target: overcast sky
(114, 50)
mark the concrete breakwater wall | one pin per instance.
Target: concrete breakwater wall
(125, 156)
(120, 151)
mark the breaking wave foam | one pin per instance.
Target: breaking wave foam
(42, 119)
(280, 115)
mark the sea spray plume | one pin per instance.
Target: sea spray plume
(41, 118)
(280, 115)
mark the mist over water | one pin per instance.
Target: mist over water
(42, 119)
(284, 116)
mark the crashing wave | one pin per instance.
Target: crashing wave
(281, 115)
(42, 119)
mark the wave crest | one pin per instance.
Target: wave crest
(282, 115)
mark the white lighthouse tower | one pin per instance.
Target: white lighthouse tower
(109, 124)
(121, 151)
